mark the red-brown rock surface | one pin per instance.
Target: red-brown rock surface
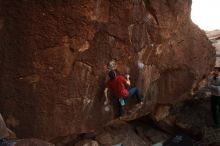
(32, 142)
(53, 57)
(120, 134)
(87, 143)
(3, 129)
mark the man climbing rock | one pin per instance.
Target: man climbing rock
(214, 86)
(117, 85)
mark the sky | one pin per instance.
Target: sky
(206, 14)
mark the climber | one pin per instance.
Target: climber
(214, 86)
(117, 84)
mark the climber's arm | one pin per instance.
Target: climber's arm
(128, 82)
(106, 96)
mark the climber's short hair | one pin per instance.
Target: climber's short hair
(217, 69)
(112, 74)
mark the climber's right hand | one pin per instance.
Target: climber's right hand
(127, 76)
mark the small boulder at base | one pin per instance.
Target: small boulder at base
(32, 142)
(87, 143)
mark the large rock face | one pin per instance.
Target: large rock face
(54, 57)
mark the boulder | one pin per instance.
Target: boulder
(87, 143)
(193, 118)
(161, 112)
(54, 58)
(32, 142)
(179, 140)
(120, 134)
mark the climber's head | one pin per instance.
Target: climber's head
(216, 71)
(112, 74)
